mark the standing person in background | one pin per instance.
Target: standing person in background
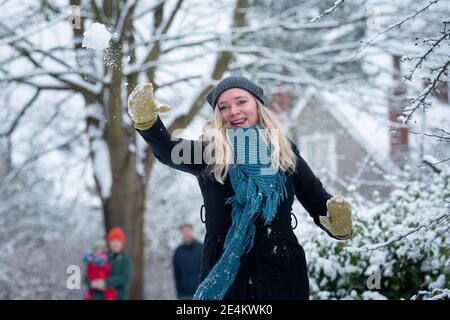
(186, 263)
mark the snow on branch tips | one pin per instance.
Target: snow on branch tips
(436, 294)
(426, 225)
(100, 157)
(328, 11)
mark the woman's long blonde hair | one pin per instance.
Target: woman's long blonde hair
(216, 138)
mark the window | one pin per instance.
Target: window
(319, 151)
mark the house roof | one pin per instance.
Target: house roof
(371, 135)
(370, 128)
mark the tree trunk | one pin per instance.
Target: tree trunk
(5, 156)
(125, 205)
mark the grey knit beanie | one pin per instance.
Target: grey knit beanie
(235, 82)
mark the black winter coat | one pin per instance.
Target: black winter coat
(276, 265)
(186, 267)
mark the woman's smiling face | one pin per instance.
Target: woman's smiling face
(238, 108)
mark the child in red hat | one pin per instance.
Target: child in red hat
(116, 234)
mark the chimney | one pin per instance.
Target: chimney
(441, 90)
(398, 132)
(282, 97)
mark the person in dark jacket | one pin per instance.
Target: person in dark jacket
(186, 263)
(248, 173)
(120, 272)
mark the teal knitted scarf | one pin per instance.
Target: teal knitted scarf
(259, 189)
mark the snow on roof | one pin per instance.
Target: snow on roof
(371, 132)
(371, 128)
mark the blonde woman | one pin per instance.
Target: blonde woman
(248, 173)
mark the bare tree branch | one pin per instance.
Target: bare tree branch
(433, 165)
(13, 174)
(337, 3)
(427, 54)
(163, 28)
(421, 99)
(21, 114)
(395, 26)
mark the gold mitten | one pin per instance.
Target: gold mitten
(339, 219)
(142, 107)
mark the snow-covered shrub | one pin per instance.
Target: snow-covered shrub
(405, 238)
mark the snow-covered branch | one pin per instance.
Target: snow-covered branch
(421, 99)
(397, 24)
(337, 3)
(268, 25)
(36, 156)
(19, 116)
(162, 28)
(435, 294)
(72, 83)
(425, 225)
(183, 79)
(445, 136)
(435, 44)
(32, 30)
(125, 14)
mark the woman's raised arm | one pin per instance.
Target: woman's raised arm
(181, 154)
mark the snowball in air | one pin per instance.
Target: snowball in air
(96, 37)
